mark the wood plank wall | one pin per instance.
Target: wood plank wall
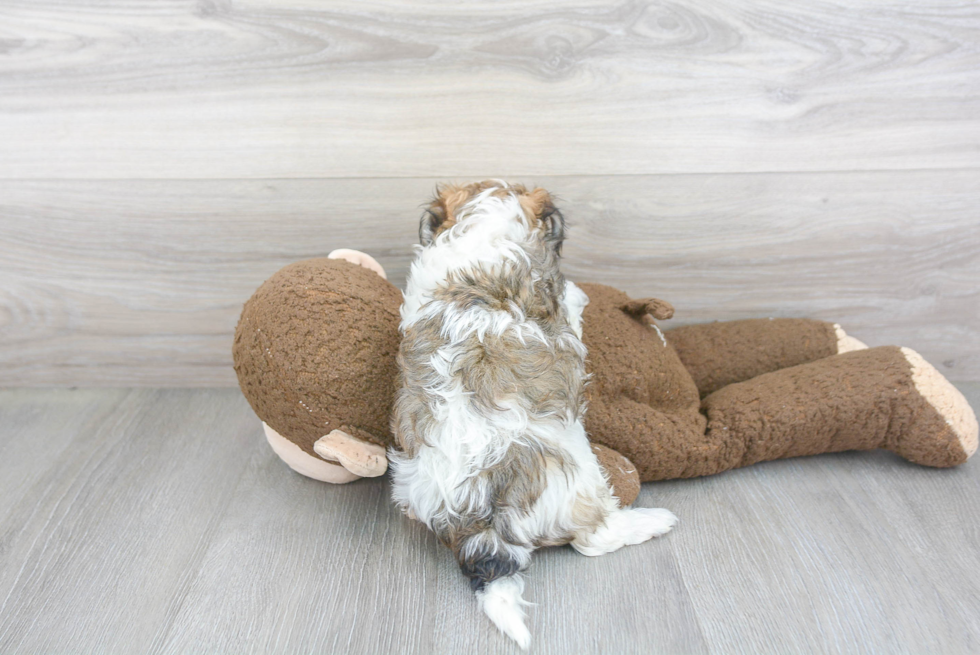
(159, 159)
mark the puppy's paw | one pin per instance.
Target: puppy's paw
(625, 527)
(649, 522)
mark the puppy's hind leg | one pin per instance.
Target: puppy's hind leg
(624, 527)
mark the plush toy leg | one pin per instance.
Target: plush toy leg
(873, 398)
(885, 397)
(719, 354)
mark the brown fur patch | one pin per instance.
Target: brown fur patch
(497, 368)
(534, 202)
(443, 212)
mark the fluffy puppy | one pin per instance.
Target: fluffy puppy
(493, 456)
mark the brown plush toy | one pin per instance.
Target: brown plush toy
(703, 399)
(315, 356)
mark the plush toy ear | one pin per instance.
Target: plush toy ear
(659, 309)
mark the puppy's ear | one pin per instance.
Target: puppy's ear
(539, 205)
(553, 223)
(432, 219)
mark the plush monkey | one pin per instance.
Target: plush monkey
(315, 356)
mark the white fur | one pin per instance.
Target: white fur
(575, 301)
(502, 602)
(494, 236)
(625, 528)
(442, 479)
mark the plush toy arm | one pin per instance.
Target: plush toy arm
(719, 354)
(662, 445)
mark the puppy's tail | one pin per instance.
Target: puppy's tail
(493, 568)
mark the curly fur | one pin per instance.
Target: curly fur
(492, 454)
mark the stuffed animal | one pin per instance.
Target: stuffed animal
(315, 356)
(707, 398)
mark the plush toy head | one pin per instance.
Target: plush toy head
(315, 356)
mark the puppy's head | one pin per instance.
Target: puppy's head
(454, 204)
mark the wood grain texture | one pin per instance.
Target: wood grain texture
(158, 521)
(112, 529)
(258, 89)
(142, 282)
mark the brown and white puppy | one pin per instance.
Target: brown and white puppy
(493, 456)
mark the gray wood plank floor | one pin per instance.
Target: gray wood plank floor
(158, 521)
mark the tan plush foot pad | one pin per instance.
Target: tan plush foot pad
(846, 344)
(946, 399)
(365, 459)
(305, 464)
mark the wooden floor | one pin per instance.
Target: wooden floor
(158, 521)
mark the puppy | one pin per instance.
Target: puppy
(493, 456)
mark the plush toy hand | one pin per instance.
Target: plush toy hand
(659, 309)
(303, 463)
(359, 258)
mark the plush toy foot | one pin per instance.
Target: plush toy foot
(948, 427)
(885, 397)
(845, 343)
(305, 464)
(361, 458)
